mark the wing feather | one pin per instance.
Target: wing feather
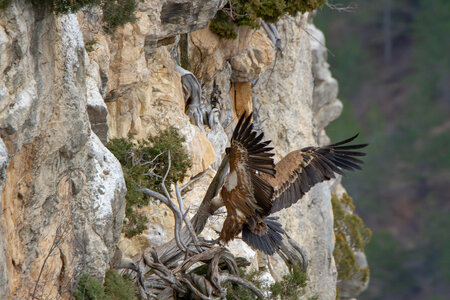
(344, 141)
(300, 170)
(249, 154)
(265, 236)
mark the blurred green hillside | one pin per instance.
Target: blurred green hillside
(392, 61)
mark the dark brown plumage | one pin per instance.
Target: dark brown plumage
(247, 196)
(255, 188)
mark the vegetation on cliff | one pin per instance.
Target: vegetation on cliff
(235, 291)
(144, 164)
(248, 13)
(290, 287)
(115, 287)
(116, 13)
(351, 236)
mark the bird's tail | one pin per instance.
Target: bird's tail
(265, 236)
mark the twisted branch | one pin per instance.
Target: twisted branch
(170, 266)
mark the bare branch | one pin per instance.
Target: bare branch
(195, 179)
(154, 194)
(317, 40)
(153, 160)
(245, 283)
(292, 253)
(185, 218)
(61, 233)
(207, 208)
(195, 291)
(273, 34)
(178, 219)
(171, 267)
(340, 8)
(169, 162)
(176, 212)
(167, 201)
(204, 256)
(169, 253)
(165, 273)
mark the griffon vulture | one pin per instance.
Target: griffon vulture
(256, 187)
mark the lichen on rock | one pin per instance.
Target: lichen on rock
(351, 238)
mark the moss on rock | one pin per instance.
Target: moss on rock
(351, 236)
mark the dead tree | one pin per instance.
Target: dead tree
(189, 266)
(273, 35)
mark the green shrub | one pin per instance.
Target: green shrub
(119, 287)
(236, 291)
(144, 164)
(115, 287)
(116, 13)
(290, 286)
(90, 288)
(247, 13)
(294, 6)
(271, 10)
(4, 3)
(223, 26)
(351, 236)
(89, 45)
(65, 7)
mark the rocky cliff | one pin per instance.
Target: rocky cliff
(62, 192)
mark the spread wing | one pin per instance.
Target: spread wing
(248, 154)
(300, 170)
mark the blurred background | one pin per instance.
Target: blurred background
(392, 61)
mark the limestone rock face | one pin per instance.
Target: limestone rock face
(4, 276)
(352, 288)
(249, 55)
(61, 186)
(232, 65)
(326, 107)
(96, 107)
(287, 93)
(168, 18)
(143, 96)
(143, 93)
(60, 101)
